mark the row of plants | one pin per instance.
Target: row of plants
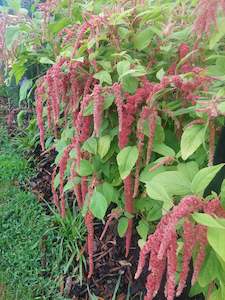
(132, 110)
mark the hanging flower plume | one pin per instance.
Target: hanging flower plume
(207, 15)
(161, 246)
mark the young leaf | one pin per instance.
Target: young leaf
(216, 238)
(85, 168)
(130, 84)
(203, 178)
(191, 139)
(163, 150)
(174, 182)
(103, 76)
(208, 220)
(104, 145)
(108, 191)
(143, 229)
(188, 169)
(122, 67)
(90, 145)
(126, 160)
(143, 38)
(98, 205)
(24, 88)
(122, 226)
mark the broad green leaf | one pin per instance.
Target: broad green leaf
(71, 183)
(98, 205)
(203, 178)
(160, 74)
(163, 150)
(58, 25)
(85, 168)
(174, 182)
(122, 67)
(158, 192)
(90, 145)
(188, 169)
(130, 84)
(207, 220)
(143, 229)
(11, 35)
(143, 38)
(46, 60)
(122, 226)
(103, 76)
(216, 238)
(146, 176)
(24, 88)
(126, 160)
(104, 145)
(208, 270)
(191, 139)
(108, 191)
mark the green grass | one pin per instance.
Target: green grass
(36, 250)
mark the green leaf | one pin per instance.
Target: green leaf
(85, 168)
(104, 145)
(216, 238)
(122, 226)
(142, 39)
(98, 205)
(143, 229)
(167, 184)
(71, 183)
(158, 192)
(160, 74)
(130, 84)
(208, 270)
(122, 67)
(103, 76)
(11, 35)
(58, 25)
(126, 160)
(108, 191)
(163, 150)
(24, 88)
(203, 178)
(209, 221)
(46, 60)
(90, 145)
(191, 139)
(188, 169)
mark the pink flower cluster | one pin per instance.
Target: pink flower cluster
(161, 246)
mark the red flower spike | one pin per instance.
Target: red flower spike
(98, 108)
(189, 242)
(171, 268)
(201, 233)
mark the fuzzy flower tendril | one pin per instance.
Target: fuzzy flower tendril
(162, 244)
